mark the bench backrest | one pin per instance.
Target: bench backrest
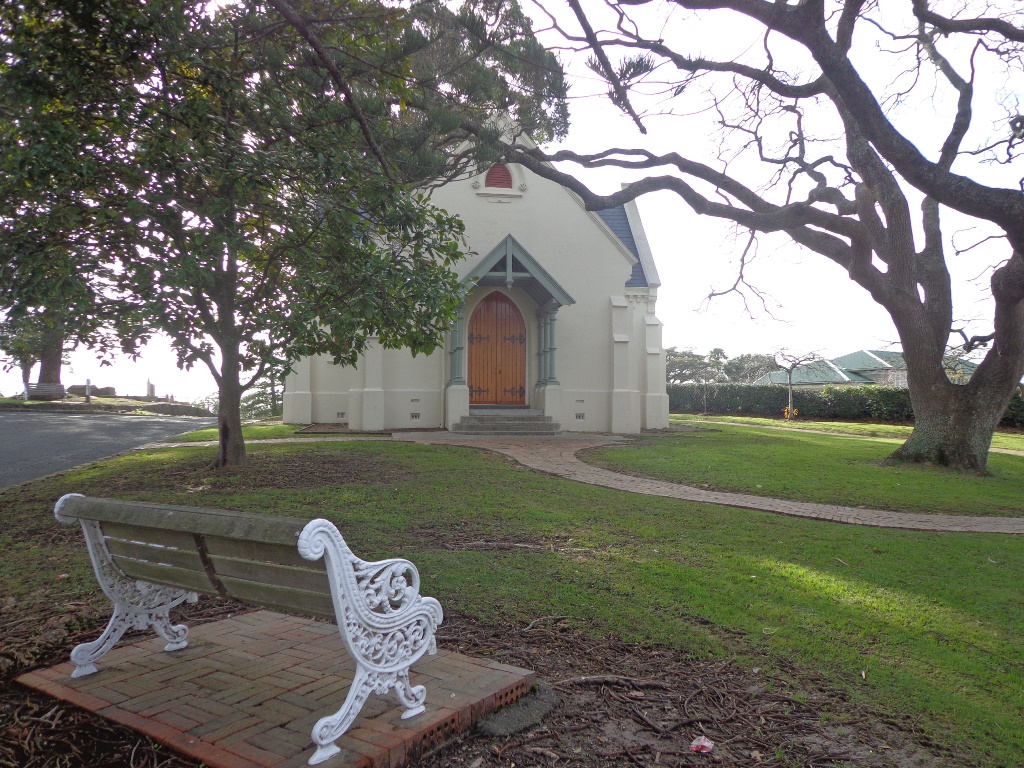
(40, 391)
(246, 557)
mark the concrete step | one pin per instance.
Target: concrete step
(506, 422)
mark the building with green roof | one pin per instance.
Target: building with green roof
(865, 366)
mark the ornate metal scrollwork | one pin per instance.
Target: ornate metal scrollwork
(137, 604)
(519, 339)
(384, 622)
(515, 391)
(477, 391)
(476, 338)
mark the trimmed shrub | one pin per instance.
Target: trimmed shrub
(1014, 416)
(849, 403)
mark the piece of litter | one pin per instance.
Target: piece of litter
(702, 744)
(864, 674)
(62, 575)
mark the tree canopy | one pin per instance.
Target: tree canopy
(810, 105)
(242, 177)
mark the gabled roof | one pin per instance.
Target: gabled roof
(820, 372)
(624, 222)
(618, 223)
(850, 368)
(510, 264)
(870, 360)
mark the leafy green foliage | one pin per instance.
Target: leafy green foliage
(63, 103)
(263, 400)
(205, 173)
(685, 365)
(746, 369)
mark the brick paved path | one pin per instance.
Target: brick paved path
(558, 456)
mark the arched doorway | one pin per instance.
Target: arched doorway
(497, 353)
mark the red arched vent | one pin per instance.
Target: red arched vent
(499, 176)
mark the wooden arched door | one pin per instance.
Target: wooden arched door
(497, 353)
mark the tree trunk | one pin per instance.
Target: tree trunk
(51, 355)
(229, 411)
(954, 423)
(955, 432)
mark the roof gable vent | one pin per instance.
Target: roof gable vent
(499, 176)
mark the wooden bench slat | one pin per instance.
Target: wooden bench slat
(165, 575)
(146, 535)
(135, 550)
(305, 579)
(226, 523)
(257, 551)
(285, 598)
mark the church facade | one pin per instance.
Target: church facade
(558, 318)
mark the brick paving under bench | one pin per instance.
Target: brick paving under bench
(248, 689)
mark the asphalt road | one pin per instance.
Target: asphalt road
(36, 444)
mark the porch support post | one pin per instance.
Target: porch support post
(551, 345)
(458, 347)
(542, 352)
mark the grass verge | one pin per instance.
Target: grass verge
(827, 469)
(925, 625)
(249, 432)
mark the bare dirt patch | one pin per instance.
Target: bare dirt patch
(633, 704)
(310, 468)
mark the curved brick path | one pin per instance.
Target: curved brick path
(557, 455)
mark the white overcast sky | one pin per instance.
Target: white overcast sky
(812, 305)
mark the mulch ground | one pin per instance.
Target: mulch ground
(315, 467)
(619, 704)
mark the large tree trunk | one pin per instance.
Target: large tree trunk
(229, 412)
(954, 423)
(51, 355)
(954, 430)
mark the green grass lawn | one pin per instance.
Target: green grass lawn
(926, 625)
(249, 432)
(899, 432)
(828, 469)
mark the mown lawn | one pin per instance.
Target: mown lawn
(925, 625)
(249, 432)
(897, 432)
(827, 469)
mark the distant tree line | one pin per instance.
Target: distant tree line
(689, 367)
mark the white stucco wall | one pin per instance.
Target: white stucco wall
(608, 342)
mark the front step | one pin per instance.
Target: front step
(496, 421)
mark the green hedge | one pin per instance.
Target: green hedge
(851, 403)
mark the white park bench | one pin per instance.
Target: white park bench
(150, 558)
